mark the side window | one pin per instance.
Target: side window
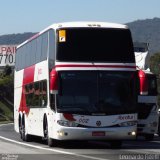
(39, 48)
(51, 49)
(33, 52)
(36, 94)
(27, 95)
(26, 55)
(21, 59)
(43, 93)
(29, 92)
(44, 46)
(17, 59)
(33, 48)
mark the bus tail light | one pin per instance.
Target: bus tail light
(53, 81)
(143, 83)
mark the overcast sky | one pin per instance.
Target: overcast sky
(18, 16)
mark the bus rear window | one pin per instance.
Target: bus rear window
(95, 45)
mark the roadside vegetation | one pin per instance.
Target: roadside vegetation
(6, 95)
(155, 68)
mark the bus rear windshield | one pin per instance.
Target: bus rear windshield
(95, 45)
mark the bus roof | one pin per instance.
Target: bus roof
(76, 25)
(87, 24)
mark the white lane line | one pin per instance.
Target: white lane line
(5, 124)
(53, 150)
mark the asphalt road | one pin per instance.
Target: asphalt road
(13, 148)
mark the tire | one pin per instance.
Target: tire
(24, 135)
(50, 142)
(116, 144)
(149, 137)
(20, 127)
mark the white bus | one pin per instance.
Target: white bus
(147, 105)
(147, 97)
(77, 81)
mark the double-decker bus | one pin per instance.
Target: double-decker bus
(147, 105)
(77, 81)
(147, 96)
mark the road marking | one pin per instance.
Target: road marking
(5, 124)
(53, 150)
(48, 149)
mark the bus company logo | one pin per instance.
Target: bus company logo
(128, 117)
(121, 118)
(39, 70)
(98, 123)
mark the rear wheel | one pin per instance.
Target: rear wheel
(20, 126)
(24, 135)
(49, 140)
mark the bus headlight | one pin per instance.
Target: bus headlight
(126, 124)
(67, 123)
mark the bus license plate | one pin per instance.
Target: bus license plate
(98, 133)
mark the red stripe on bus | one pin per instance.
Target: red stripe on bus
(102, 66)
(28, 77)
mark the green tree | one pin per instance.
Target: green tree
(6, 84)
(6, 94)
(155, 68)
(7, 71)
(155, 64)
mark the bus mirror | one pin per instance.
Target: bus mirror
(53, 82)
(143, 83)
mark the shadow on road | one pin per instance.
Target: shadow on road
(134, 144)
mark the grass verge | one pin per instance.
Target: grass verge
(6, 114)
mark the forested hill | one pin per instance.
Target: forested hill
(147, 30)
(15, 38)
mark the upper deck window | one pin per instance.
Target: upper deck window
(94, 45)
(140, 47)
